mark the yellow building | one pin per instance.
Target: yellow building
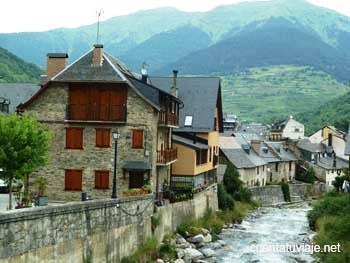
(200, 122)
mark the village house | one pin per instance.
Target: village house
(287, 129)
(200, 122)
(85, 105)
(252, 169)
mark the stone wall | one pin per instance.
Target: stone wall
(172, 215)
(93, 231)
(272, 194)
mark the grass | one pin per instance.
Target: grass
(267, 94)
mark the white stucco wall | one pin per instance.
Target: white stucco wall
(293, 130)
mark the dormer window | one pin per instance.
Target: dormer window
(188, 120)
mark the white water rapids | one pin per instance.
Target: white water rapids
(268, 227)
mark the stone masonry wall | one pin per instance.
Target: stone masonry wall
(272, 194)
(51, 107)
(172, 215)
(93, 231)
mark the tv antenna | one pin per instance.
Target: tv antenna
(99, 13)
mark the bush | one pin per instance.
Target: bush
(147, 252)
(329, 205)
(225, 200)
(244, 195)
(167, 251)
(285, 190)
(307, 176)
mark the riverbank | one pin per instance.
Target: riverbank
(193, 240)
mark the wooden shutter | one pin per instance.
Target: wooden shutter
(78, 103)
(103, 138)
(136, 179)
(73, 180)
(137, 139)
(118, 100)
(74, 138)
(101, 179)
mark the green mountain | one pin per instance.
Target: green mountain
(136, 33)
(14, 69)
(334, 112)
(267, 94)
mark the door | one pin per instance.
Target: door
(136, 179)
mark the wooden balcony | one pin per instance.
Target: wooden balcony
(215, 160)
(168, 119)
(113, 113)
(166, 157)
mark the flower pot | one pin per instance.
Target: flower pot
(41, 200)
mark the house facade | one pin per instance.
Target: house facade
(200, 122)
(252, 169)
(287, 129)
(83, 104)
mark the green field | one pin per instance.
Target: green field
(266, 94)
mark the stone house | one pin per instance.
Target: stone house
(83, 104)
(200, 122)
(281, 161)
(252, 168)
(287, 129)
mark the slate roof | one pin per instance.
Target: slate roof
(307, 145)
(199, 95)
(234, 152)
(17, 93)
(282, 153)
(327, 163)
(240, 159)
(112, 70)
(189, 142)
(347, 146)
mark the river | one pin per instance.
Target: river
(268, 228)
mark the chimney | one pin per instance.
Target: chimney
(144, 72)
(97, 55)
(330, 139)
(174, 90)
(56, 62)
(256, 145)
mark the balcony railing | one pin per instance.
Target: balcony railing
(215, 160)
(168, 118)
(166, 156)
(96, 112)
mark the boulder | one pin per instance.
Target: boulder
(205, 231)
(196, 239)
(222, 243)
(208, 252)
(208, 238)
(160, 260)
(180, 253)
(179, 260)
(193, 254)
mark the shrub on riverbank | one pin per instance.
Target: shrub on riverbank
(285, 191)
(225, 200)
(330, 216)
(307, 176)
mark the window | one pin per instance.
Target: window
(137, 139)
(290, 166)
(74, 138)
(101, 179)
(188, 121)
(257, 170)
(276, 167)
(136, 179)
(103, 138)
(210, 153)
(73, 180)
(201, 156)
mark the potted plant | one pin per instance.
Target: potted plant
(147, 189)
(41, 199)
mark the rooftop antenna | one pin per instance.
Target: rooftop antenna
(99, 13)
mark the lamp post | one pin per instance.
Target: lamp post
(116, 136)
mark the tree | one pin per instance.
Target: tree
(232, 182)
(24, 147)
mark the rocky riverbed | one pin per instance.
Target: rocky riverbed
(238, 242)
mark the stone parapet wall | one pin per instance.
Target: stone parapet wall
(272, 194)
(93, 231)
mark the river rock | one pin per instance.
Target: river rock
(180, 253)
(208, 238)
(222, 243)
(215, 245)
(208, 252)
(196, 239)
(160, 260)
(193, 254)
(180, 240)
(205, 231)
(179, 260)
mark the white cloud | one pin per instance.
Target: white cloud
(41, 15)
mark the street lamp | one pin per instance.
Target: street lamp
(116, 136)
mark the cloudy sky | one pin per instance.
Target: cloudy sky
(41, 15)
